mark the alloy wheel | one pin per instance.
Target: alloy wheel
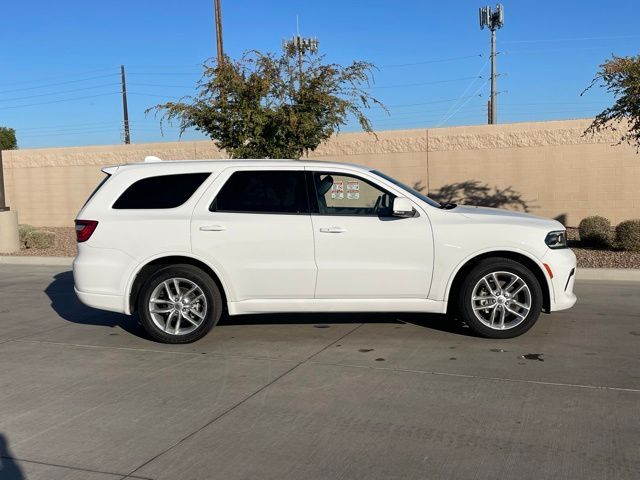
(501, 300)
(177, 306)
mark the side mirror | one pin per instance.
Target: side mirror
(402, 207)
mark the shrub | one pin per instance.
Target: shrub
(595, 231)
(23, 229)
(628, 235)
(39, 239)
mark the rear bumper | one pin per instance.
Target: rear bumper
(563, 265)
(112, 303)
(100, 276)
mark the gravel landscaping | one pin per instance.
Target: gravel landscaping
(65, 246)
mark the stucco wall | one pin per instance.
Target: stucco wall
(555, 169)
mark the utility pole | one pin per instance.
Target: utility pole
(218, 22)
(125, 110)
(3, 204)
(493, 20)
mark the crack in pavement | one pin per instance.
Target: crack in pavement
(479, 377)
(241, 402)
(68, 467)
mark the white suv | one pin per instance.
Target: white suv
(181, 242)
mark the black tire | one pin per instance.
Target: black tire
(487, 267)
(212, 309)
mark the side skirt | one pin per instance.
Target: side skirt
(291, 305)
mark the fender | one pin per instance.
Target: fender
(497, 250)
(225, 285)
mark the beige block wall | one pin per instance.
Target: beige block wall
(558, 171)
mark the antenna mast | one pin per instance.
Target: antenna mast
(493, 20)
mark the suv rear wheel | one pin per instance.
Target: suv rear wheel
(500, 298)
(179, 304)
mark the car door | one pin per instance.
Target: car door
(361, 250)
(253, 225)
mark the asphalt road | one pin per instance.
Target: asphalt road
(84, 395)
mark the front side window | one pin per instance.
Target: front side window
(163, 191)
(260, 191)
(340, 194)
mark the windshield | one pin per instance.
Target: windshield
(412, 191)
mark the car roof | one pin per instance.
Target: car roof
(192, 165)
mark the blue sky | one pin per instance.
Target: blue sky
(59, 82)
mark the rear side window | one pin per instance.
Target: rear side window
(165, 191)
(263, 192)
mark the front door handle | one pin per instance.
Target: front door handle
(212, 228)
(333, 230)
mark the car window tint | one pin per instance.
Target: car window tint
(340, 194)
(263, 192)
(164, 191)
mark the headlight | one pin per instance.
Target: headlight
(557, 239)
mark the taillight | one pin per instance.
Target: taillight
(84, 229)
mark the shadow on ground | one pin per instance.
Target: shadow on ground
(67, 306)
(9, 469)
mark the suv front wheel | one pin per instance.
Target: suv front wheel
(500, 298)
(179, 304)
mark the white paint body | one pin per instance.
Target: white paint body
(305, 263)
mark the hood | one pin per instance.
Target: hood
(498, 215)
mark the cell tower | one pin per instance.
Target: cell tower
(300, 45)
(493, 20)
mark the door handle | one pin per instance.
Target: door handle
(212, 228)
(333, 230)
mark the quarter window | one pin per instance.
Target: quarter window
(164, 191)
(270, 191)
(340, 194)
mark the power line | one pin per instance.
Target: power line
(59, 101)
(78, 132)
(77, 127)
(57, 84)
(464, 95)
(58, 92)
(424, 62)
(164, 73)
(82, 126)
(575, 39)
(442, 122)
(160, 85)
(140, 94)
(422, 83)
(444, 100)
(66, 75)
(435, 115)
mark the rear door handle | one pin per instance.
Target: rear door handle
(212, 228)
(333, 230)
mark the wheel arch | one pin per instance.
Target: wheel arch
(146, 268)
(467, 265)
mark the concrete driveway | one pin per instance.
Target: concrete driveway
(84, 395)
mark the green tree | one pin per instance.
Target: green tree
(274, 106)
(620, 76)
(8, 139)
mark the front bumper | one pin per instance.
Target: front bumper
(562, 263)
